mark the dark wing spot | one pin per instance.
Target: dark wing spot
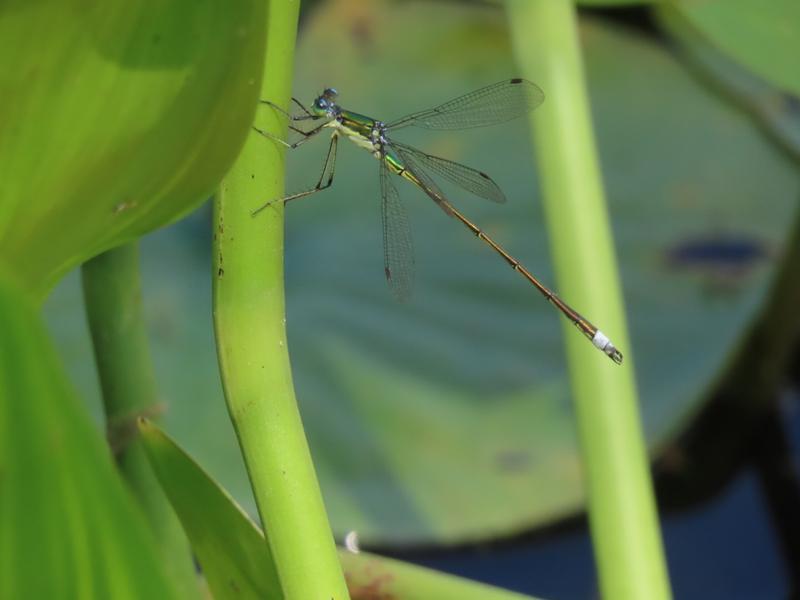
(516, 80)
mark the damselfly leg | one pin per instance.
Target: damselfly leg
(324, 182)
(307, 135)
(304, 117)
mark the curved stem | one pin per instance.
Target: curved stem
(112, 294)
(622, 511)
(249, 320)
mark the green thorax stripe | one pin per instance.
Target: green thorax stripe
(360, 124)
(394, 161)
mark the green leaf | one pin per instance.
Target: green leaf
(233, 553)
(68, 528)
(231, 549)
(448, 418)
(763, 36)
(117, 118)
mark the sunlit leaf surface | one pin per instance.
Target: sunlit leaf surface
(116, 117)
(68, 528)
(235, 559)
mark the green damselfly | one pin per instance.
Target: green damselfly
(490, 105)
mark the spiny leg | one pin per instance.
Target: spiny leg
(303, 108)
(323, 183)
(307, 135)
(304, 117)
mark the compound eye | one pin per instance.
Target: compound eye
(320, 103)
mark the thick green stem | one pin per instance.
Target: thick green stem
(112, 293)
(622, 511)
(249, 321)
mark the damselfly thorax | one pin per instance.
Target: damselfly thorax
(370, 135)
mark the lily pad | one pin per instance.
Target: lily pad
(777, 111)
(447, 419)
(763, 37)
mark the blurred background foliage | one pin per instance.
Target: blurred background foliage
(447, 420)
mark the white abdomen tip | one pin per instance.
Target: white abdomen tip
(600, 340)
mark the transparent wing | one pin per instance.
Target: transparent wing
(427, 183)
(493, 104)
(398, 252)
(475, 182)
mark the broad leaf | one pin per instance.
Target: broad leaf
(232, 552)
(117, 117)
(68, 528)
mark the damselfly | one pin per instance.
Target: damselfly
(490, 105)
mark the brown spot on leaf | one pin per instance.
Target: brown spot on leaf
(370, 586)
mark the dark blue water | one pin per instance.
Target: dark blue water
(725, 549)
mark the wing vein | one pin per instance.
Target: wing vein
(398, 252)
(474, 181)
(497, 103)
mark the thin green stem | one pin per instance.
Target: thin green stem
(249, 319)
(112, 294)
(622, 511)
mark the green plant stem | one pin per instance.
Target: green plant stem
(622, 512)
(249, 321)
(112, 294)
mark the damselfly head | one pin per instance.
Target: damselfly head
(325, 103)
